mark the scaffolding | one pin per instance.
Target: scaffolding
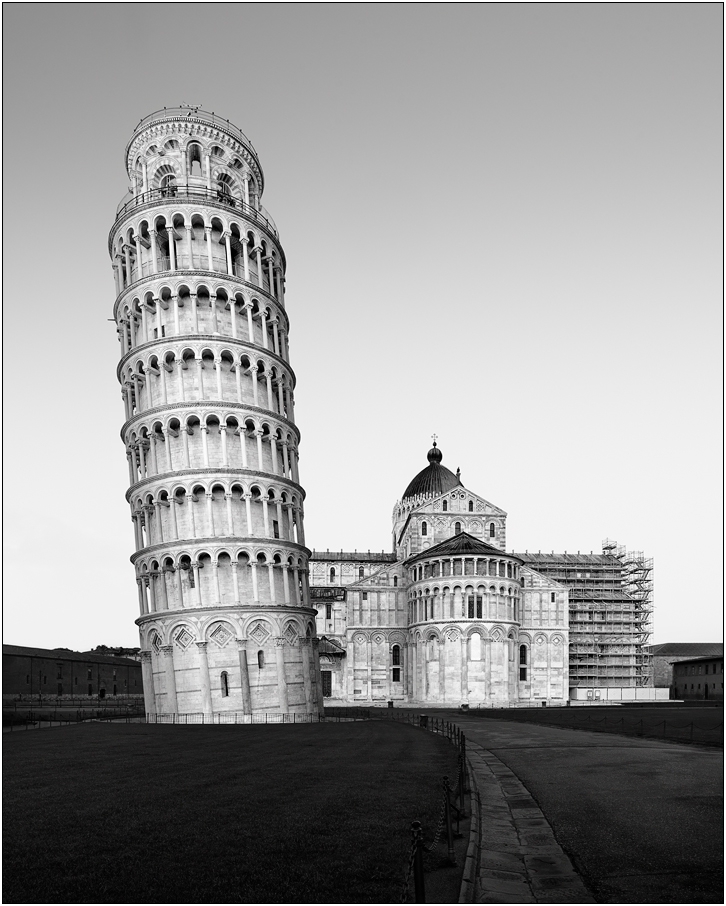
(610, 608)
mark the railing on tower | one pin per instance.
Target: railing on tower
(195, 194)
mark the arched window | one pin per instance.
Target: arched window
(260, 659)
(424, 529)
(445, 505)
(523, 662)
(168, 186)
(491, 529)
(471, 506)
(396, 664)
(361, 573)
(224, 681)
(457, 528)
(194, 159)
(395, 581)
(332, 574)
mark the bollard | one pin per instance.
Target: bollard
(418, 864)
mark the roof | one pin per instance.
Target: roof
(62, 654)
(687, 649)
(435, 479)
(462, 544)
(362, 556)
(328, 646)
(565, 559)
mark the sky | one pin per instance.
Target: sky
(502, 223)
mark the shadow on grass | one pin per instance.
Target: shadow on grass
(259, 814)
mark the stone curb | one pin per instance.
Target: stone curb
(471, 860)
(517, 858)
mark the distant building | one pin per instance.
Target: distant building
(665, 655)
(699, 678)
(449, 616)
(60, 672)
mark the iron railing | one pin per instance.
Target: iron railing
(195, 194)
(198, 114)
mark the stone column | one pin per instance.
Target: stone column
(369, 657)
(245, 258)
(318, 677)
(228, 250)
(147, 676)
(170, 679)
(306, 653)
(208, 239)
(464, 669)
(244, 676)
(442, 668)
(281, 680)
(190, 265)
(204, 679)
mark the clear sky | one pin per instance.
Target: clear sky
(502, 224)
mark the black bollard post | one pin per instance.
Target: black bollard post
(447, 818)
(418, 864)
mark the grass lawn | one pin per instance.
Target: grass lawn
(677, 722)
(130, 813)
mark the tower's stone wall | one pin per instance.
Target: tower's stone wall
(212, 446)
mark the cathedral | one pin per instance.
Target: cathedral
(449, 617)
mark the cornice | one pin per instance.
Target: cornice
(165, 208)
(192, 404)
(166, 342)
(164, 476)
(151, 278)
(251, 541)
(271, 610)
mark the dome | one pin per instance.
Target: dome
(435, 479)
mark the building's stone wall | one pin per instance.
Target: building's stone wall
(29, 672)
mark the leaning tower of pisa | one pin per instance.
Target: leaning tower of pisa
(221, 565)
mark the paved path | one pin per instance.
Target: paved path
(640, 820)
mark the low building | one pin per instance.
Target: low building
(666, 654)
(61, 673)
(699, 679)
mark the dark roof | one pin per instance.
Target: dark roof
(62, 654)
(328, 646)
(435, 479)
(566, 559)
(687, 649)
(362, 556)
(462, 544)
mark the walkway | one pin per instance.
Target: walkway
(575, 817)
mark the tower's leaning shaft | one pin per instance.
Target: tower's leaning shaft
(217, 508)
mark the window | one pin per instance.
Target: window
(260, 659)
(396, 655)
(457, 528)
(365, 595)
(59, 674)
(478, 607)
(424, 529)
(395, 581)
(75, 681)
(90, 673)
(553, 597)
(168, 186)
(27, 677)
(90, 689)
(328, 611)
(224, 683)
(491, 529)
(523, 662)
(327, 678)
(470, 607)
(275, 529)
(361, 573)
(332, 574)
(445, 506)
(396, 674)
(471, 506)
